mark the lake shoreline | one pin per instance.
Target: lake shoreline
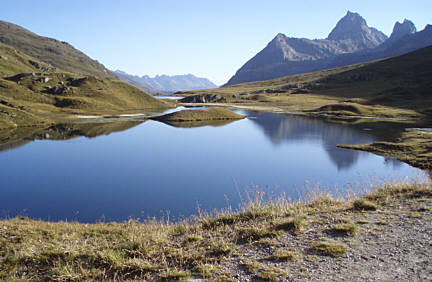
(352, 238)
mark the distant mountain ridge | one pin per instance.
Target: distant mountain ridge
(59, 54)
(166, 83)
(135, 81)
(351, 41)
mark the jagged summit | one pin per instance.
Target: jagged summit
(345, 27)
(351, 41)
(354, 27)
(402, 29)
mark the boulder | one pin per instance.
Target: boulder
(57, 90)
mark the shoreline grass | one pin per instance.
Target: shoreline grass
(200, 246)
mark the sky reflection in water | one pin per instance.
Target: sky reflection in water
(155, 169)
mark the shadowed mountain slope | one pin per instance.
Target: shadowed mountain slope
(350, 42)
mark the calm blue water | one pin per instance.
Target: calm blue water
(154, 169)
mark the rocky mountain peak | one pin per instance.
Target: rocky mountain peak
(351, 23)
(402, 29)
(280, 37)
(354, 28)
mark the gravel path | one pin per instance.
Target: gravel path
(393, 243)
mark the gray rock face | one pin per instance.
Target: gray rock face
(402, 29)
(350, 42)
(354, 28)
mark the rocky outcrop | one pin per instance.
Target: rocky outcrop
(402, 29)
(203, 98)
(57, 90)
(41, 68)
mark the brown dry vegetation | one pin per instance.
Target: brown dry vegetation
(204, 246)
(31, 97)
(56, 53)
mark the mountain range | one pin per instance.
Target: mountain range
(166, 83)
(351, 41)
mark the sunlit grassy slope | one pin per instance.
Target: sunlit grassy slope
(394, 87)
(56, 53)
(32, 92)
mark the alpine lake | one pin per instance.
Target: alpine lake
(116, 170)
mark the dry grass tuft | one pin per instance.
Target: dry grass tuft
(293, 225)
(364, 205)
(327, 247)
(283, 255)
(345, 229)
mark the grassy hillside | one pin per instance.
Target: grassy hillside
(32, 93)
(394, 87)
(56, 53)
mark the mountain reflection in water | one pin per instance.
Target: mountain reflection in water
(120, 169)
(280, 129)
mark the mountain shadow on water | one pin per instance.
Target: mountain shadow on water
(279, 129)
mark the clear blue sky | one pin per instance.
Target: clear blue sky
(204, 37)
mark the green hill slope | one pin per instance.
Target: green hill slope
(56, 53)
(33, 93)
